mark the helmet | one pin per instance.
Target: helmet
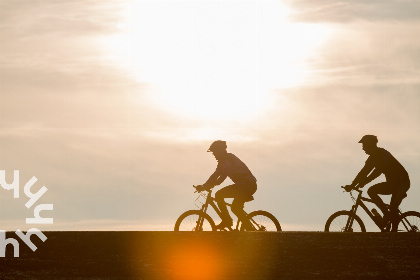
(217, 145)
(369, 139)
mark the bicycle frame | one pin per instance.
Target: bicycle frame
(359, 202)
(211, 201)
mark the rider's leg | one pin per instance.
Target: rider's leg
(245, 194)
(399, 194)
(396, 200)
(238, 210)
(220, 195)
(381, 188)
(242, 192)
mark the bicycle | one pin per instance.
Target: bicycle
(348, 221)
(199, 220)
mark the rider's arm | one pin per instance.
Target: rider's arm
(215, 179)
(211, 181)
(375, 174)
(219, 175)
(220, 179)
(361, 179)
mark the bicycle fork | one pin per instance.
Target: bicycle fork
(349, 224)
(200, 220)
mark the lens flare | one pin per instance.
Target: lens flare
(194, 260)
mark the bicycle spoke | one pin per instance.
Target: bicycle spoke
(409, 223)
(258, 222)
(264, 221)
(343, 222)
(406, 224)
(193, 223)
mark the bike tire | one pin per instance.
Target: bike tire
(337, 222)
(188, 221)
(263, 221)
(409, 222)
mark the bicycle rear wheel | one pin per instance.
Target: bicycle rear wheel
(344, 221)
(194, 220)
(262, 221)
(409, 222)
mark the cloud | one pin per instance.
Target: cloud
(368, 53)
(348, 11)
(53, 71)
(28, 19)
(56, 37)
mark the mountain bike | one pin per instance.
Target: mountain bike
(348, 221)
(199, 220)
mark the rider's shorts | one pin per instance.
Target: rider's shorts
(401, 186)
(245, 191)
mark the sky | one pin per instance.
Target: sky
(112, 105)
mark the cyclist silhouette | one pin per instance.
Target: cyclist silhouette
(380, 161)
(245, 184)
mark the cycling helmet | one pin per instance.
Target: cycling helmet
(369, 139)
(217, 146)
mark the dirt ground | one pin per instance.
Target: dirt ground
(216, 255)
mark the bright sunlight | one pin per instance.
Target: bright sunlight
(215, 60)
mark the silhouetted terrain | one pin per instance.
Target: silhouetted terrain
(217, 255)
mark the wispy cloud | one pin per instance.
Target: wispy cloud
(369, 53)
(347, 11)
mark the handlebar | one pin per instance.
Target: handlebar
(205, 189)
(351, 189)
(344, 188)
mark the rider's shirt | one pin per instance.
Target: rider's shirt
(384, 161)
(235, 169)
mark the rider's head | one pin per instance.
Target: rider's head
(218, 148)
(369, 143)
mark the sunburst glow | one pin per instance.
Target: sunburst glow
(215, 59)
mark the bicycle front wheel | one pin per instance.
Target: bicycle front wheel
(409, 222)
(263, 221)
(194, 220)
(344, 221)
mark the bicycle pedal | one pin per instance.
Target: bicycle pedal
(387, 227)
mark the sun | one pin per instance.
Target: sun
(207, 92)
(208, 60)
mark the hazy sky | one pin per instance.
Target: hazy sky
(113, 104)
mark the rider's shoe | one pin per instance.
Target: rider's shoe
(390, 222)
(383, 222)
(394, 221)
(224, 224)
